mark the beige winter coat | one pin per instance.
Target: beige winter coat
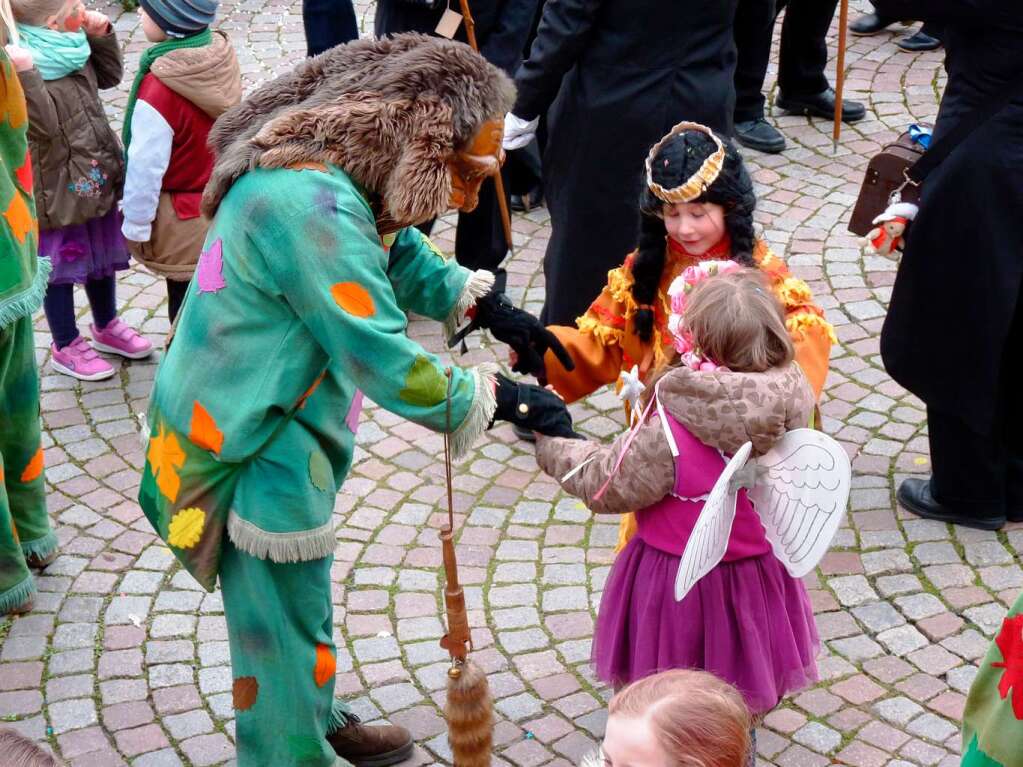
(722, 409)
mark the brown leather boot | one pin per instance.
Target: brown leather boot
(37, 562)
(377, 746)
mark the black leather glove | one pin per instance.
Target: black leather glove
(522, 332)
(534, 408)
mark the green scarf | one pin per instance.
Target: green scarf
(56, 54)
(149, 56)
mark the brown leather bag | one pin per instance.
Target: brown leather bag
(886, 174)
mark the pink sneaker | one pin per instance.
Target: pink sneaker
(118, 338)
(79, 360)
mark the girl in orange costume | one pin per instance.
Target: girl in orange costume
(697, 206)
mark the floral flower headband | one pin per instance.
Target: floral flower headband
(678, 293)
(698, 183)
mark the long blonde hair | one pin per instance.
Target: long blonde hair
(698, 719)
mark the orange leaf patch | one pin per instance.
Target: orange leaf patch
(204, 431)
(19, 218)
(325, 667)
(311, 389)
(165, 457)
(353, 298)
(244, 692)
(34, 468)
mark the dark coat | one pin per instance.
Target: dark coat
(77, 160)
(615, 75)
(959, 282)
(502, 26)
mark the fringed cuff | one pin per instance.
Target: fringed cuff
(302, 546)
(17, 595)
(40, 547)
(481, 411)
(478, 285)
(23, 304)
(339, 716)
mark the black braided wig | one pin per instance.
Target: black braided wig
(677, 161)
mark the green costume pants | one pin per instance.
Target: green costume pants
(24, 524)
(280, 625)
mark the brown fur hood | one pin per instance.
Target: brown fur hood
(725, 409)
(209, 76)
(391, 112)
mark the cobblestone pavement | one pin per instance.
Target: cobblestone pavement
(125, 661)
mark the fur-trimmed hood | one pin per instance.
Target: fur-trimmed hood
(391, 112)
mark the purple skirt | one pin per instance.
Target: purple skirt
(747, 621)
(88, 251)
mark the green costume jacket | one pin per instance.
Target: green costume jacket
(297, 308)
(993, 719)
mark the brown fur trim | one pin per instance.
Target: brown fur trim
(390, 112)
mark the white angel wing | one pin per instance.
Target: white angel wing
(709, 541)
(801, 494)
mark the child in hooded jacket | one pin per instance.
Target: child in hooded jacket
(79, 170)
(747, 621)
(185, 82)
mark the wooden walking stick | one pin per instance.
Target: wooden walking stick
(469, 709)
(502, 201)
(843, 37)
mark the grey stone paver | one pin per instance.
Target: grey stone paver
(125, 659)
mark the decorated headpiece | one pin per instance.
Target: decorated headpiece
(694, 186)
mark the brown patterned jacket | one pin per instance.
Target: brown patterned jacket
(721, 409)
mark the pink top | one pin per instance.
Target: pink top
(667, 524)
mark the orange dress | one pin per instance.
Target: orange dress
(604, 342)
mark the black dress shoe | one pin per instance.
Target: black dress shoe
(919, 42)
(821, 105)
(870, 24)
(760, 135)
(914, 495)
(523, 203)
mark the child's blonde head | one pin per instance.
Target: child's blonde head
(18, 751)
(36, 12)
(696, 719)
(736, 321)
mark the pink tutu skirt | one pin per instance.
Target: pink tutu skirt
(747, 621)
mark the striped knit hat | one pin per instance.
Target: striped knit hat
(181, 18)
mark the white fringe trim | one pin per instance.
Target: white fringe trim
(481, 411)
(301, 546)
(478, 285)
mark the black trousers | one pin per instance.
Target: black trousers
(328, 23)
(982, 474)
(802, 56)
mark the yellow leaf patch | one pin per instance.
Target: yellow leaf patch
(186, 528)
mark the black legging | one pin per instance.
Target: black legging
(59, 305)
(176, 290)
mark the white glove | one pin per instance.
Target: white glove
(518, 132)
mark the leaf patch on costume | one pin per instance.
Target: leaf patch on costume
(165, 457)
(1010, 643)
(19, 218)
(203, 431)
(210, 271)
(34, 467)
(436, 251)
(353, 298)
(320, 471)
(24, 174)
(388, 239)
(354, 411)
(186, 528)
(244, 692)
(325, 667)
(425, 386)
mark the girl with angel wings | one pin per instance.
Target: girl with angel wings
(697, 205)
(747, 620)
